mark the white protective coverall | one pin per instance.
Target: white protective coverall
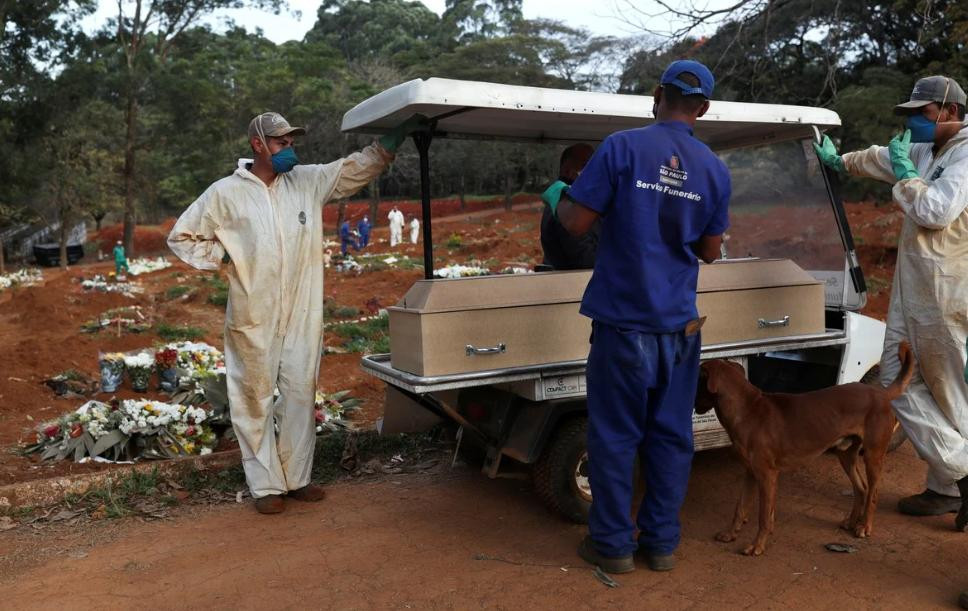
(274, 319)
(414, 230)
(929, 301)
(396, 227)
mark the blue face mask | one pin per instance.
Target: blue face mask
(284, 160)
(922, 128)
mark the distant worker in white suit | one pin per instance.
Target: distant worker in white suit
(396, 226)
(414, 229)
(265, 223)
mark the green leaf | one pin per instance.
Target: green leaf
(111, 440)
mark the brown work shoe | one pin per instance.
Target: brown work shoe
(271, 503)
(928, 503)
(310, 493)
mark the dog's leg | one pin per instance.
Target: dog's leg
(874, 462)
(848, 460)
(767, 480)
(742, 509)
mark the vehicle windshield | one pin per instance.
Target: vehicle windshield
(780, 209)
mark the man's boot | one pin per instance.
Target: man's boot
(928, 503)
(310, 493)
(961, 520)
(271, 503)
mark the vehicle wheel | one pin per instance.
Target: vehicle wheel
(898, 437)
(561, 474)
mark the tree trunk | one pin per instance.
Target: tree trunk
(3, 262)
(463, 188)
(63, 240)
(131, 118)
(98, 217)
(375, 200)
(340, 215)
(507, 190)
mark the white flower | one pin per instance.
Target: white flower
(142, 360)
(205, 451)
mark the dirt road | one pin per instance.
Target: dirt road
(453, 539)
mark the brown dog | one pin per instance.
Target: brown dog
(773, 432)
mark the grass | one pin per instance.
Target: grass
(137, 493)
(178, 333)
(346, 312)
(369, 336)
(220, 290)
(369, 445)
(174, 292)
(454, 241)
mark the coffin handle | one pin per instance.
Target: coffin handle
(499, 349)
(769, 324)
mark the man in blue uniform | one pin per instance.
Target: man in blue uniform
(346, 238)
(364, 227)
(662, 197)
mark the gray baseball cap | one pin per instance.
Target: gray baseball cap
(940, 89)
(272, 124)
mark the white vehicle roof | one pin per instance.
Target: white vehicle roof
(477, 110)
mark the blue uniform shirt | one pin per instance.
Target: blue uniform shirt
(658, 189)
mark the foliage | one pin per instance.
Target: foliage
(369, 336)
(176, 291)
(176, 333)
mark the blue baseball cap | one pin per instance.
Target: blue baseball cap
(701, 72)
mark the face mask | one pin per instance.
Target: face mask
(922, 128)
(284, 160)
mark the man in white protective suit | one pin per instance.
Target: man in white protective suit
(414, 229)
(265, 222)
(929, 297)
(396, 226)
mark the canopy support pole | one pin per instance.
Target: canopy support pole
(422, 141)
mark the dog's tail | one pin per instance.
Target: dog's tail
(907, 370)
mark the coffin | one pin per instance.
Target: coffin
(443, 327)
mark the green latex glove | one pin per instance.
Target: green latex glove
(392, 140)
(829, 156)
(900, 157)
(552, 195)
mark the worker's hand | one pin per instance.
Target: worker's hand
(829, 156)
(900, 156)
(395, 137)
(552, 195)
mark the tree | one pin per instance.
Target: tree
(398, 32)
(146, 32)
(82, 162)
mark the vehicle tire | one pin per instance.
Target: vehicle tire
(898, 437)
(560, 475)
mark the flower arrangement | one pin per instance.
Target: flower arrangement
(349, 264)
(198, 359)
(460, 271)
(136, 267)
(23, 277)
(111, 365)
(514, 269)
(139, 370)
(98, 283)
(166, 362)
(128, 430)
(129, 318)
(331, 410)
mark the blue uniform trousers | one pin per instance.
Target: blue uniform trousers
(641, 391)
(346, 243)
